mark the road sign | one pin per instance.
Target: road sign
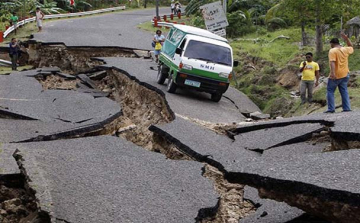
(220, 32)
(214, 16)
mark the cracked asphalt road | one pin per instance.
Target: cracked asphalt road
(104, 30)
(331, 175)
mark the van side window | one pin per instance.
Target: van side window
(170, 34)
(176, 37)
(182, 45)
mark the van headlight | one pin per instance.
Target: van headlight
(225, 75)
(187, 67)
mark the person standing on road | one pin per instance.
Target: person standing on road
(14, 53)
(39, 17)
(158, 40)
(339, 73)
(177, 7)
(310, 71)
(172, 6)
(14, 20)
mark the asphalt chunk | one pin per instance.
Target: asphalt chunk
(107, 179)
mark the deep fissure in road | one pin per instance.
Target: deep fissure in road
(144, 105)
(18, 202)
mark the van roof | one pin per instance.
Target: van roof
(199, 32)
(205, 39)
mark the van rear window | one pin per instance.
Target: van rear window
(208, 52)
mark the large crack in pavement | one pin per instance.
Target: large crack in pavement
(147, 120)
(142, 106)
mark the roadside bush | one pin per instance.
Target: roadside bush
(198, 21)
(269, 70)
(261, 31)
(239, 24)
(276, 23)
(267, 79)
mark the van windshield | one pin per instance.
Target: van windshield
(208, 52)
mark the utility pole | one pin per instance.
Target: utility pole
(157, 10)
(225, 5)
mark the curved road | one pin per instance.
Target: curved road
(119, 29)
(113, 29)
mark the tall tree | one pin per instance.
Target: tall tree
(320, 12)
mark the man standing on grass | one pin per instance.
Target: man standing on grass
(339, 73)
(309, 70)
(14, 20)
(39, 17)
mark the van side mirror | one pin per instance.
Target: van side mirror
(236, 63)
(178, 51)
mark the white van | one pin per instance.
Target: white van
(196, 58)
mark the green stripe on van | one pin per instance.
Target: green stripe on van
(196, 72)
(204, 73)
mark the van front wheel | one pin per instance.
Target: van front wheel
(216, 97)
(162, 74)
(171, 87)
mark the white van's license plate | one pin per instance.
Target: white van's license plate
(192, 83)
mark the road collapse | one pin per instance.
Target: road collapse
(206, 172)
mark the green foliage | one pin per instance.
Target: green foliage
(276, 23)
(198, 21)
(279, 51)
(47, 7)
(193, 7)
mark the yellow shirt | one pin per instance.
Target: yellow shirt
(340, 57)
(308, 73)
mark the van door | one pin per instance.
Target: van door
(177, 57)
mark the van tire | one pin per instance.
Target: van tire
(162, 74)
(171, 86)
(216, 97)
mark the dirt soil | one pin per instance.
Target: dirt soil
(55, 82)
(18, 206)
(232, 204)
(141, 106)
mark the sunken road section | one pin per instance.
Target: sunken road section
(309, 179)
(57, 133)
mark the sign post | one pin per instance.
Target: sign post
(157, 10)
(215, 17)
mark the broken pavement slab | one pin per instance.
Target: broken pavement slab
(203, 144)
(87, 81)
(328, 181)
(98, 75)
(8, 165)
(49, 69)
(269, 210)
(264, 139)
(24, 96)
(295, 149)
(55, 113)
(21, 130)
(107, 179)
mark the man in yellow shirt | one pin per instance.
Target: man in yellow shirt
(339, 73)
(309, 70)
